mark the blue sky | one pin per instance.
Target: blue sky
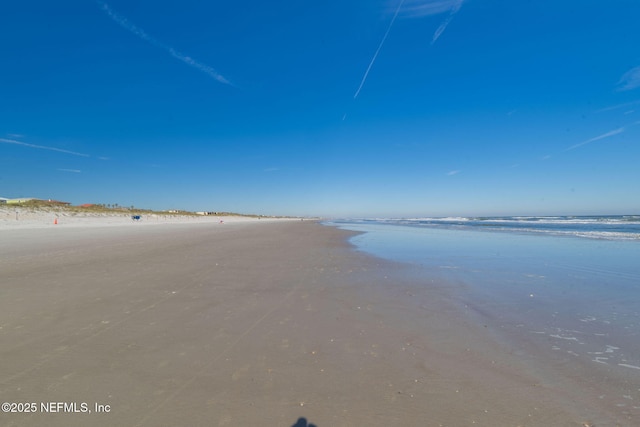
(335, 108)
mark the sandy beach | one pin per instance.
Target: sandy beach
(246, 323)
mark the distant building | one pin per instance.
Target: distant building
(21, 200)
(33, 199)
(57, 202)
(3, 201)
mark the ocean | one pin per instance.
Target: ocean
(561, 293)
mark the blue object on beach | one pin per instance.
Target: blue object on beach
(136, 217)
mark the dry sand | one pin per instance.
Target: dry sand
(245, 324)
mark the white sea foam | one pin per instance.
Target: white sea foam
(560, 337)
(598, 227)
(611, 349)
(624, 365)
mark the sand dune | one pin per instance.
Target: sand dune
(23, 217)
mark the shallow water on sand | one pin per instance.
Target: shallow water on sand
(568, 306)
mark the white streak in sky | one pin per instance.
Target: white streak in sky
(597, 138)
(70, 170)
(375, 55)
(124, 23)
(630, 79)
(420, 8)
(615, 107)
(455, 9)
(41, 147)
(451, 173)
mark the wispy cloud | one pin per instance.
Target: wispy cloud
(422, 8)
(41, 147)
(271, 169)
(454, 172)
(630, 79)
(454, 9)
(618, 106)
(139, 32)
(70, 170)
(375, 55)
(597, 138)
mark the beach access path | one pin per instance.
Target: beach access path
(249, 323)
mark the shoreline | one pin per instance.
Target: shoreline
(247, 325)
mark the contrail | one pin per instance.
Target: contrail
(41, 147)
(124, 23)
(443, 26)
(375, 55)
(603, 136)
(615, 107)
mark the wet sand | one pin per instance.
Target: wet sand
(245, 324)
